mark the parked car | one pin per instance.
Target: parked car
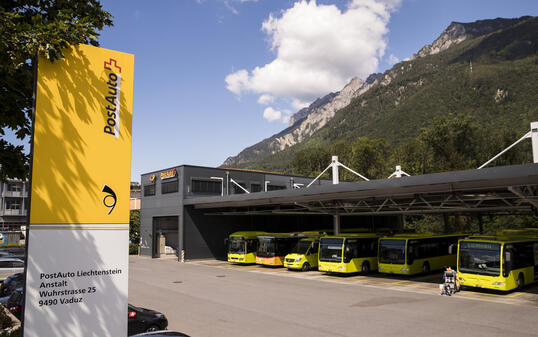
(11, 283)
(163, 333)
(144, 320)
(10, 266)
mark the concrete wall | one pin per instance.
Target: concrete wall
(204, 233)
(159, 205)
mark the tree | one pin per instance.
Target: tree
(414, 157)
(26, 28)
(134, 226)
(369, 158)
(454, 142)
(310, 162)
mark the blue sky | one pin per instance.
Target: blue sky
(198, 98)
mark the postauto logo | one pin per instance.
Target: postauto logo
(168, 174)
(112, 97)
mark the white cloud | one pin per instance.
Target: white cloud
(271, 114)
(265, 99)
(318, 48)
(230, 7)
(286, 116)
(236, 81)
(393, 59)
(299, 104)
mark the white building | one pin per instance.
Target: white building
(14, 204)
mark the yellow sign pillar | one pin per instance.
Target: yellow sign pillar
(77, 279)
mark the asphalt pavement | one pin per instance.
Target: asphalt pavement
(214, 298)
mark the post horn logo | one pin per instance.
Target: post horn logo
(110, 194)
(152, 178)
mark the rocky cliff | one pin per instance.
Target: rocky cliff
(457, 32)
(304, 123)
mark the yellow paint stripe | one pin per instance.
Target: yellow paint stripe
(400, 282)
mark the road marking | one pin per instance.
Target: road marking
(369, 281)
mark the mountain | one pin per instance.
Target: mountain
(457, 32)
(300, 115)
(485, 69)
(302, 124)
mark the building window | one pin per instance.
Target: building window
(149, 190)
(255, 187)
(12, 187)
(169, 186)
(275, 187)
(13, 204)
(206, 186)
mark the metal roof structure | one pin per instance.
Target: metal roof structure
(507, 189)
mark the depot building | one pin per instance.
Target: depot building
(188, 211)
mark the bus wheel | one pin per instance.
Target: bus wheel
(306, 266)
(365, 267)
(520, 281)
(426, 267)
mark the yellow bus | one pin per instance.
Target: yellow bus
(501, 262)
(242, 247)
(272, 248)
(304, 255)
(348, 253)
(410, 254)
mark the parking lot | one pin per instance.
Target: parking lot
(215, 298)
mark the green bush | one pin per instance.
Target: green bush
(12, 246)
(133, 249)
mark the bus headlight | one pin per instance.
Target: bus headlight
(298, 259)
(342, 268)
(404, 269)
(461, 279)
(380, 268)
(498, 284)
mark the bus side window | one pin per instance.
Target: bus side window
(350, 250)
(314, 248)
(411, 253)
(535, 247)
(507, 261)
(252, 246)
(373, 251)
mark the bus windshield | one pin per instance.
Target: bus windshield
(236, 245)
(331, 250)
(392, 251)
(301, 247)
(266, 247)
(482, 258)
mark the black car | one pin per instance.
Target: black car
(11, 283)
(140, 319)
(143, 320)
(164, 333)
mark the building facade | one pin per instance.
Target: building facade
(169, 227)
(136, 196)
(14, 204)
